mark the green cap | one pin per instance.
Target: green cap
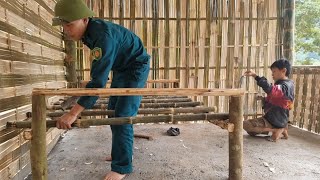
(67, 11)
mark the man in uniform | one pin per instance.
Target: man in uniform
(115, 48)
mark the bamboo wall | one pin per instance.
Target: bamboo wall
(306, 112)
(30, 56)
(204, 43)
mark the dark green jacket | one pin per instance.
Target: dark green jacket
(113, 47)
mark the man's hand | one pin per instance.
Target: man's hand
(250, 73)
(65, 121)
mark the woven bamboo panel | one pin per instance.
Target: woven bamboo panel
(30, 57)
(212, 41)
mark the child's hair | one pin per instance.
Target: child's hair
(282, 63)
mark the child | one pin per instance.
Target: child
(276, 105)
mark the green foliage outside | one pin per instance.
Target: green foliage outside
(307, 32)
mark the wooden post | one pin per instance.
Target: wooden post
(38, 152)
(70, 63)
(236, 138)
(288, 28)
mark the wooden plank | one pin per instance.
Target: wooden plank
(14, 102)
(6, 116)
(139, 91)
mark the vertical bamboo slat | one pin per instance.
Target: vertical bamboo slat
(304, 99)
(217, 75)
(133, 15)
(187, 42)
(178, 39)
(313, 100)
(207, 57)
(231, 42)
(121, 12)
(167, 42)
(288, 20)
(70, 63)
(297, 98)
(155, 34)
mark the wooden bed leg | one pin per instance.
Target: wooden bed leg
(236, 138)
(38, 150)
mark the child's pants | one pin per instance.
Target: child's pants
(256, 126)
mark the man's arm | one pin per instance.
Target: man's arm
(100, 68)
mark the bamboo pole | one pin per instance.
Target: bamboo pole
(187, 43)
(190, 18)
(297, 98)
(178, 39)
(132, 15)
(38, 151)
(142, 111)
(167, 42)
(70, 63)
(163, 97)
(121, 12)
(145, 25)
(313, 100)
(142, 105)
(105, 101)
(304, 101)
(84, 123)
(137, 92)
(206, 62)
(289, 21)
(236, 138)
(155, 40)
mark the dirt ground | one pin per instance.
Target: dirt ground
(199, 152)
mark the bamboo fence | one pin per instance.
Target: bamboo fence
(306, 110)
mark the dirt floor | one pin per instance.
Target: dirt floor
(199, 152)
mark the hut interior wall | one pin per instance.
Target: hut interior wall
(203, 43)
(31, 55)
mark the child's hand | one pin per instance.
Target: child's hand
(260, 98)
(250, 73)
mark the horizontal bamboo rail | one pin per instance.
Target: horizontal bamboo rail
(105, 101)
(142, 105)
(138, 92)
(85, 123)
(39, 123)
(143, 111)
